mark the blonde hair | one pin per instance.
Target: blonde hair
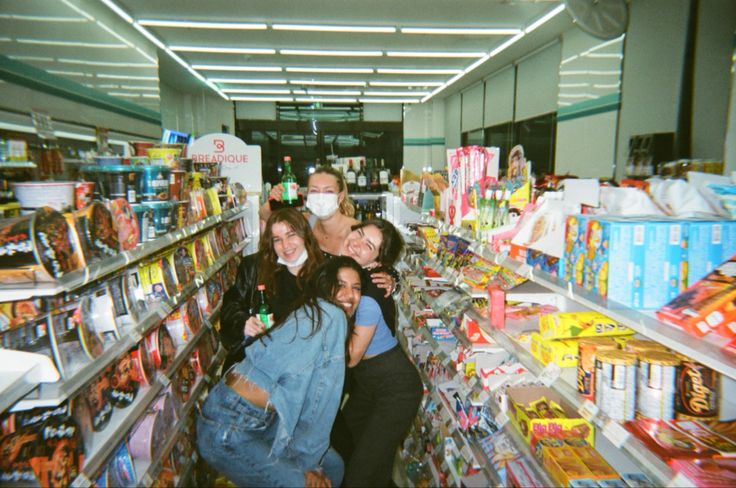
(347, 207)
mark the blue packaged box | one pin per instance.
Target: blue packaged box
(710, 243)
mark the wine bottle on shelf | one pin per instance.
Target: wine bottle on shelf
(362, 179)
(350, 177)
(265, 314)
(375, 178)
(383, 176)
(288, 181)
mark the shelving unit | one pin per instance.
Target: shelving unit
(14, 385)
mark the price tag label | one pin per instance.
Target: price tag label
(81, 481)
(501, 419)
(550, 374)
(588, 410)
(164, 380)
(615, 433)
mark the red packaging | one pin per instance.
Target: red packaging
(83, 194)
(666, 442)
(497, 306)
(724, 446)
(707, 473)
(123, 382)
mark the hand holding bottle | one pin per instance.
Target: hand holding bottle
(276, 193)
(253, 327)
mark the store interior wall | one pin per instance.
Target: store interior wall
(255, 110)
(195, 112)
(424, 142)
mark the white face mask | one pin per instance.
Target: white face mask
(322, 205)
(297, 262)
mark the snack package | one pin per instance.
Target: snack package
(667, 442)
(570, 325)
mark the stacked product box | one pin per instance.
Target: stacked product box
(710, 243)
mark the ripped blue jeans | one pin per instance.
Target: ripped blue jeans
(235, 438)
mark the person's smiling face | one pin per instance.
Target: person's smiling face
(347, 294)
(286, 242)
(363, 245)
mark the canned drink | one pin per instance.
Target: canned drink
(587, 349)
(656, 388)
(697, 391)
(615, 388)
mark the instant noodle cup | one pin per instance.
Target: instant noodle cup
(203, 301)
(164, 155)
(36, 247)
(126, 223)
(165, 404)
(133, 293)
(58, 452)
(148, 437)
(214, 291)
(84, 192)
(183, 266)
(160, 347)
(120, 470)
(144, 367)
(184, 381)
(96, 397)
(197, 208)
(214, 246)
(162, 212)
(152, 281)
(144, 215)
(123, 383)
(155, 183)
(180, 214)
(97, 235)
(198, 251)
(178, 329)
(91, 341)
(214, 201)
(16, 313)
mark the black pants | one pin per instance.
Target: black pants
(385, 395)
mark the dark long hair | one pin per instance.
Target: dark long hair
(268, 261)
(392, 244)
(346, 206)
(323, 284)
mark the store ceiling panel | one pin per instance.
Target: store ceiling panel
(258, 49)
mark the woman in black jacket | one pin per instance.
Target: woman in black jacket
(287, 254)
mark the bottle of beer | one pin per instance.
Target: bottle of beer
(288, 181)
(265, 314)
(350, 176)
(362, 179)
(375, 178)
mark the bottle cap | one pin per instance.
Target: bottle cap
(261, 287)
(287, 158)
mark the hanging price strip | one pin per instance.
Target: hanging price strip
(588, 410)
(550, 374)
(81, 481)
(615, 433)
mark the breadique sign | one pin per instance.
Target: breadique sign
(239, 161)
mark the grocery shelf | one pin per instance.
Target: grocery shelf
(17, 165)
(51, 394)
(122, 420)
(184, 478)
(14, 385)
(26, 291)
(707, 350)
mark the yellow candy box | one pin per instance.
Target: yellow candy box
(573, 325)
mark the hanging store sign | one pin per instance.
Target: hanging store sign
(240, 162)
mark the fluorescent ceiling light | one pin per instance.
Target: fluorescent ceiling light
(67, 73)
(406, 83)
(226, 67)
(573, 85)
(115, 34)
(549, 15)
(346, 93)
(589, 96)
(107, 85)
(324, 52)
(395, 94)
(150, 95)
(42, 18)
(226, 50)
(389, 100)
(126, 77)
(262, 99)
(476, 64)
(605, 55)
(411, 71)
(193, 24)
(333, 28)
(124, 94)
(122, 13)
(51, 42)
(506, 44)
(135, 87)
(155, 40)
(327, 83)
(248, 81)
(106, 63)
(330, 70)
(591, 72)
(43, 59)
(256, 91)
(6, 39)
(428, 54)
(325, 100)
(460, 31)
(607, 85)
(78, 10)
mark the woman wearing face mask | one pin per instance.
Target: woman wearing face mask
(266, 423)
(386, 389)
(287, 253)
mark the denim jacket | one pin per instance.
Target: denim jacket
(303, 376)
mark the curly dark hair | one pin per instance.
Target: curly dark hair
(392, 244)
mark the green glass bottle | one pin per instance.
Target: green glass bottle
(288, 181)
(265, 314)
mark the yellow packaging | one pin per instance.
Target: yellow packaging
(152, 282)
(198, 251)
(639, 346)
(567, 325)
(562, 352)
(563, 466)
(598, 466)
(214, 201)
(521, 400)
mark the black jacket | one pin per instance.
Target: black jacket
(238, 305)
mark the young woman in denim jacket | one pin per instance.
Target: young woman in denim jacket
(267, 422)
(386, 389)
(287, 253)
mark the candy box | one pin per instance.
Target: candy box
(572, 263)
(563, 465)
(708, 304)
(562, 352)
(521, 401)
(667, 442)
(566, 325)
(596, 464)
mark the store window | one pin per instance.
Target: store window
(538, 136)
(473, 138)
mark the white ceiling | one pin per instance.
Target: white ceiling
(415, 51)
